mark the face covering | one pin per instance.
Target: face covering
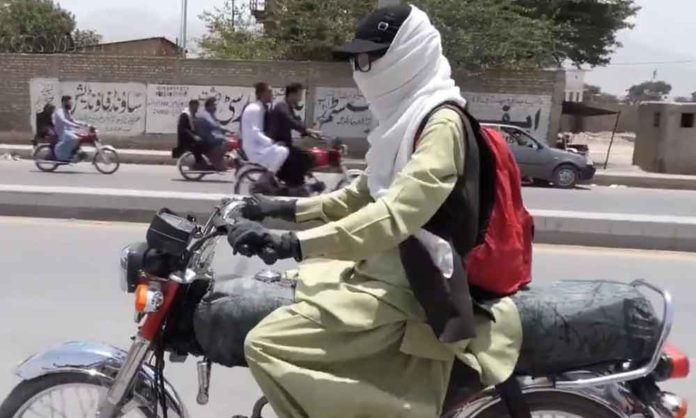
(402, 88)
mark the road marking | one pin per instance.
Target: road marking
(68, 223)
(539, 248)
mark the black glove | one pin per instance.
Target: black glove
(252, 239)
(258, 207)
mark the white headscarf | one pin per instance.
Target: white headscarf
(402, 88)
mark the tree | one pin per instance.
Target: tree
(38, 26)
(481, 34)
(595, 94)
(587, 28)
(648, 91)
(233, 33)
(683, 99)
(85, 38)
(496, 33)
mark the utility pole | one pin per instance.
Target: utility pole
(184, 24)
(385, 3)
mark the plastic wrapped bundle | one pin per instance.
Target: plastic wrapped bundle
(575, 325)
(231, 309)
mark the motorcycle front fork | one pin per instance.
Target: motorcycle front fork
(115, 397)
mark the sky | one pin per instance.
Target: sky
(663, 34)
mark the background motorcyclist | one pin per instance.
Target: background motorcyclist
(67, 130)
(213, 142)
(282, 120)
(187, 139)
(259, 147)
(45, 131)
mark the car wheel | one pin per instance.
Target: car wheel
(566, 176)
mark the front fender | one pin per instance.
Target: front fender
(101, 360)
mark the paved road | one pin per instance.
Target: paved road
(60, 283)
(166, 178)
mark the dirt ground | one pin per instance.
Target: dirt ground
(621, 156)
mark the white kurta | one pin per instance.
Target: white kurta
(259, 148)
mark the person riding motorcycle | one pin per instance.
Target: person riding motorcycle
(187, 139)
(66, 128)
(358, 341)
(45, 131)
(212, 133)
(260, 148)
(281, 122)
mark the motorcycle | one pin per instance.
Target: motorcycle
(327, 159)
(186, 163)
(105, 158)
(171, 275)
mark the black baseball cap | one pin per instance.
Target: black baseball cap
(375, 32)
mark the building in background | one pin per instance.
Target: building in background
(666, 138)
(147, 47)
(575, 85)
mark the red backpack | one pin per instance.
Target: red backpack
(502, 264)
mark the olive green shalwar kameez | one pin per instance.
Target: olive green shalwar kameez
(356, 343)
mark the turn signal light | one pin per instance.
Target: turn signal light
(148, 298)
(680, 362)
(683, 410)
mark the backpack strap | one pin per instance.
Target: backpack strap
(468, 129)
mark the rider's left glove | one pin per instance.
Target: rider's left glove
(252, 239)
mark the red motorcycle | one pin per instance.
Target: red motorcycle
(612, 370)
(186, 163)
(327, 159)
(105, 158)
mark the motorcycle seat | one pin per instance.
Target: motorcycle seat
(579, 325)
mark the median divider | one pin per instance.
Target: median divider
(614, 230)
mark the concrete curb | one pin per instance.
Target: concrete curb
(645, 181)
(134, 156)
(615, 230)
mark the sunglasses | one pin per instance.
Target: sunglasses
(363, 62)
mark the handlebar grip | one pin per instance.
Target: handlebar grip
(269, 256)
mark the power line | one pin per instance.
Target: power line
(692, 61)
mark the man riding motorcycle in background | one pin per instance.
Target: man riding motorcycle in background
(281, 122)
(258, 146)
(66, 130)
(369, 334)
(213, 142)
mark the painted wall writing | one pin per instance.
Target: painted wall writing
(529, 112)
(166, 102)
(41, 92)
(114, 108)
(342, 112)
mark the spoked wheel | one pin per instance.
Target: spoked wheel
(71, 395)
(548, 405)
(185, 165)
(106, 161)
(246, 180)
(42, 157)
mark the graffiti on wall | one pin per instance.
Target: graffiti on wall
(114, 108)
(342, 112)
(529, 112)
(166, 102)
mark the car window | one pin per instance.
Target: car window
(518, 138)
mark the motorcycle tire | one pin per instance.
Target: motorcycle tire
(184, 164)
(246, 179)
(27, 390)
(113, 158)
(41, 155)
(544, 404)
